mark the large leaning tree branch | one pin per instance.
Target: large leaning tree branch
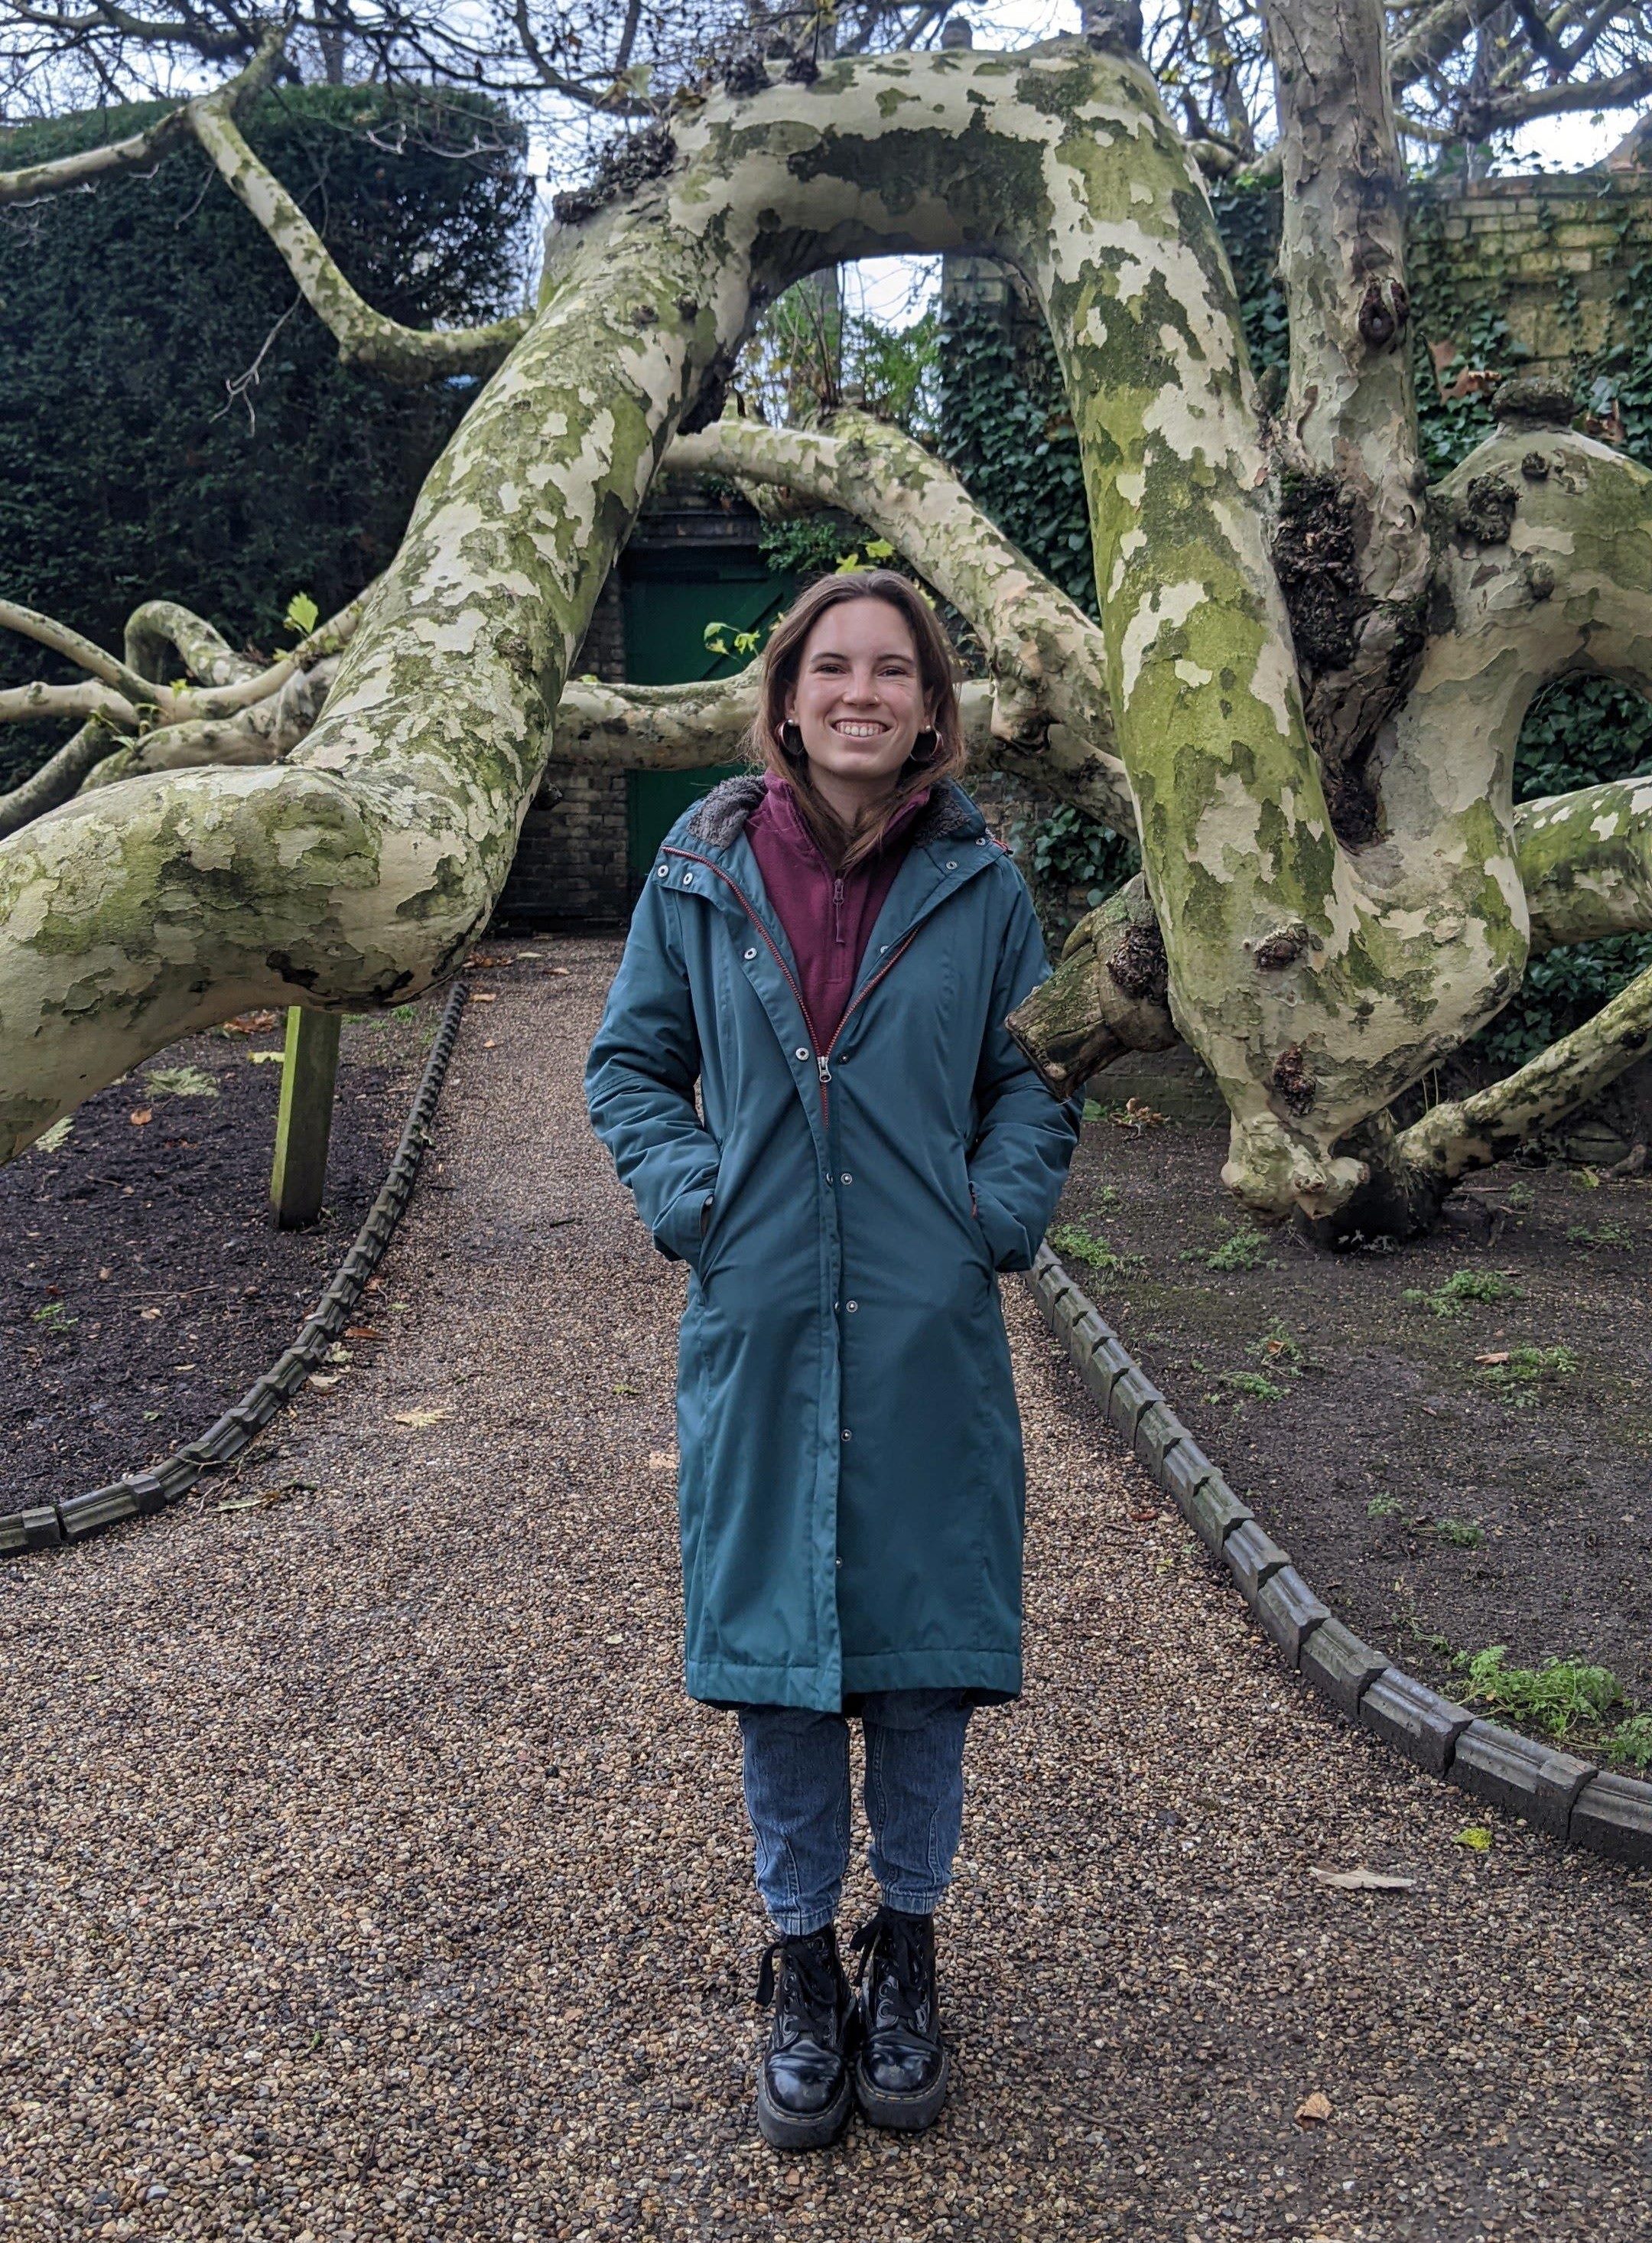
(359, 869)
(1316, 978)
(88, 165)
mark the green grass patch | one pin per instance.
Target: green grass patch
(53, 1316)
(1451, 1298)
(1607, 1235)
(1462, 1534)
(1277, 1349)
(1246, 1248)
(1556, 1698)
(180, 1083)
(1382, 1505)
(1519, 1381)
(1630, 1744)
(1253, 1385)
(1075, 1242)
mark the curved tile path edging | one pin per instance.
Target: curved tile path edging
(1570, 1798)
(139, 1494)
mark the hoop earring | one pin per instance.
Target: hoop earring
(788, 734)
(932, 751)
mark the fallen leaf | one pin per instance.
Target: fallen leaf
(140, 1116)
(483, 958)
(361, 1332)
(625, 1390)
(1476, 1837)
(562, 969)
(373, 1286)
(250, 1024)
(1363, 1880)
(149, 1314)
(1314, 2110)
(419, 1417)
(105, 1273)
(323, 1381)
(267, 1059)
(1142, 1517)
(484, 997)
(1500, 1354)
(490, 1043)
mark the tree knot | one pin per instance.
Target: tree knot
(1113, 27)
(744, 75)
(1534, 401)
(1383, 312)
(1294, 1087)
(1486, 510)
(624, 164)
(1282, 948)
(1316, 559)
(1138, 966)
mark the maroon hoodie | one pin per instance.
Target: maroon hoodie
(827, 917)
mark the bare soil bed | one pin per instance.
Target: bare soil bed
(144, 1287)
(1454, 1440)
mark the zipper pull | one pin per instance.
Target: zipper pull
(837, 910)
(825, 1071)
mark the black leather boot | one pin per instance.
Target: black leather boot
(803, 2092)
(901, 2065)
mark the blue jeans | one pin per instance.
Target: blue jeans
(797, 1787)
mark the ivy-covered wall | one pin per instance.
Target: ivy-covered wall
(1508, 275)
(174, 421)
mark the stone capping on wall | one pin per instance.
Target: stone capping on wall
(140, 1493)
(1571, 1799)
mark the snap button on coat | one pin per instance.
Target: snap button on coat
(814, 1563)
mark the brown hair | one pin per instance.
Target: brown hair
(782, 658)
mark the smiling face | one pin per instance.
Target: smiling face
(859, 700)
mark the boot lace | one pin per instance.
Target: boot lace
(895, 1951)
(807, 1984)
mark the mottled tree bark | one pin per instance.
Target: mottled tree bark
(1318, 974)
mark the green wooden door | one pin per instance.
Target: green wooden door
(669, 599)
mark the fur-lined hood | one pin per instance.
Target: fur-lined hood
(948, 815)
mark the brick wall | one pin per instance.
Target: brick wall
(570, 867)
(1549, 255)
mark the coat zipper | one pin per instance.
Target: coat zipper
(822, 1058)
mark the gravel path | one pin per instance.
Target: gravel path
(367, 1873)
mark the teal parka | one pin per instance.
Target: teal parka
(851, 1487)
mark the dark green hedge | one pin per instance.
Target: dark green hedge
(127, 471)
(1005, 427)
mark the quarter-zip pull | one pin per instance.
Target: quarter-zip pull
(825, 1071)
(837, 909)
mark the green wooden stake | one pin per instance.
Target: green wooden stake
(299, 1178)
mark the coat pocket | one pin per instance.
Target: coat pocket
(677, 1233)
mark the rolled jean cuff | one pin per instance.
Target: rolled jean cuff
(797, 1922)
(912, 1903)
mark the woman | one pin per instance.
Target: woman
(830, 947)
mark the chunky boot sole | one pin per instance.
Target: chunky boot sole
(901, 2114)
(790, 2130)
